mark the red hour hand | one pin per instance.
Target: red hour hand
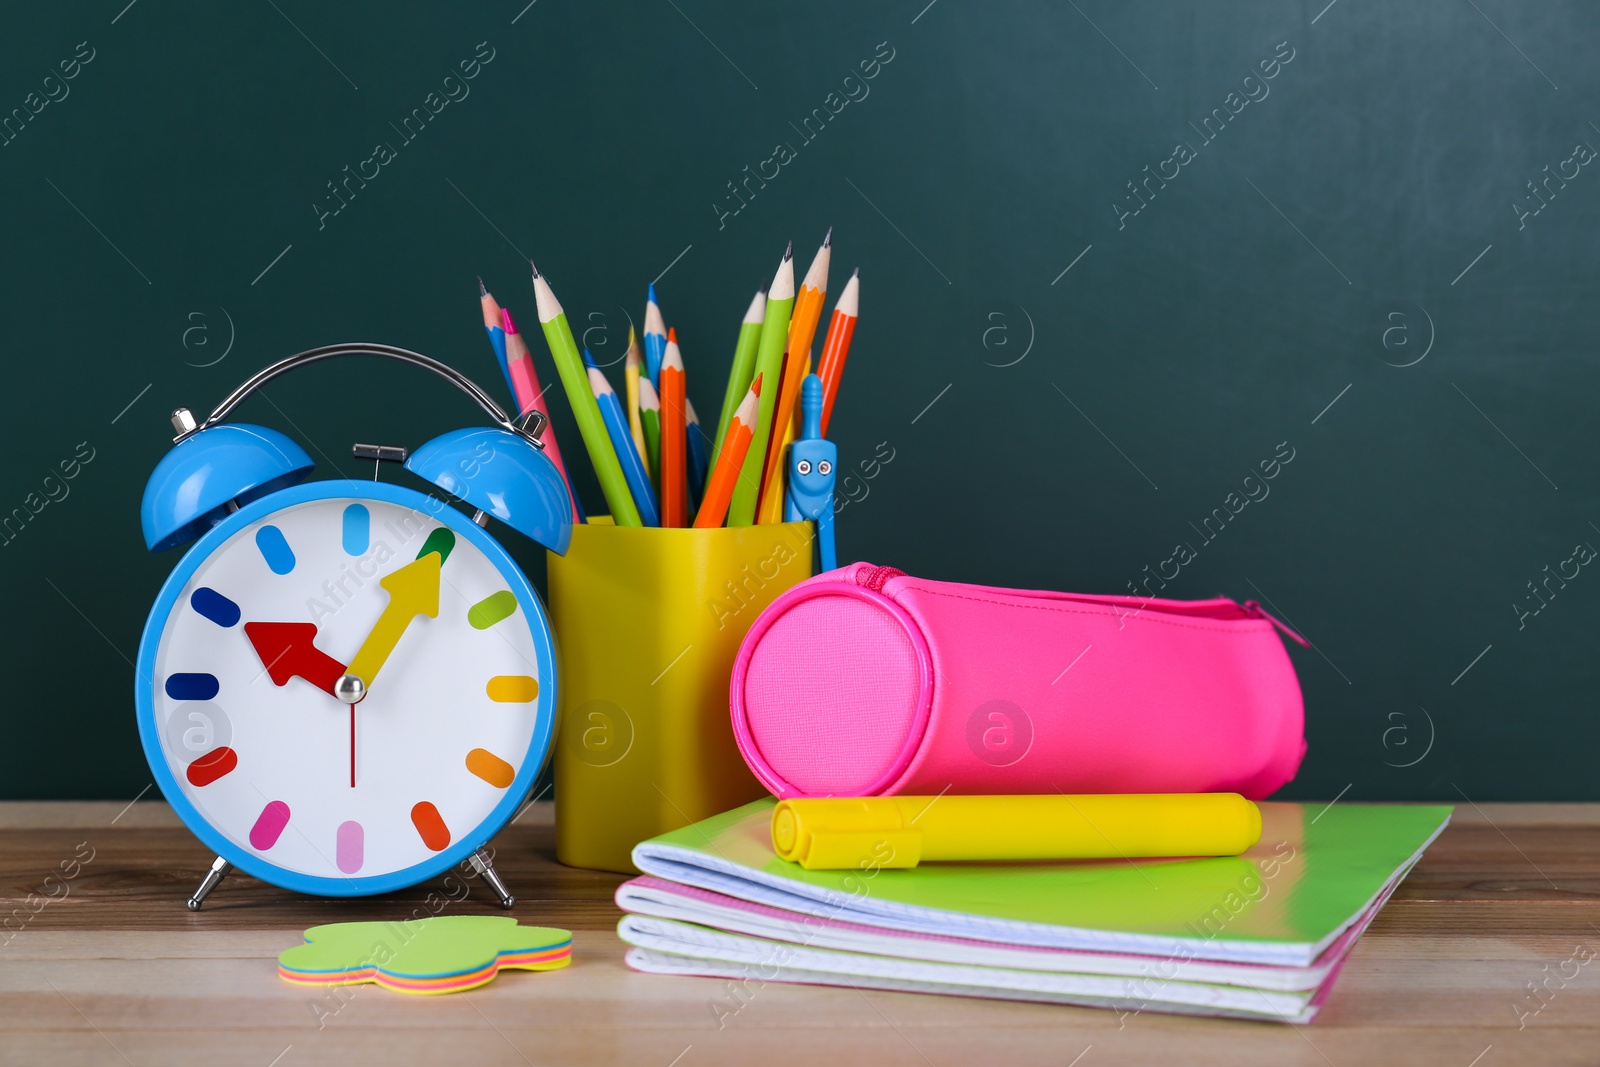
(288, 649)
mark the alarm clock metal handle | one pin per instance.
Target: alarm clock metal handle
(531, 427)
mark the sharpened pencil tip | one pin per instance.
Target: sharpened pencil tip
(856, 273)
(533, 268)
(588, 359)
(672, 335)
(483, 290)
(827, 238)
(788, 253)
(755, 386)
(651, 295)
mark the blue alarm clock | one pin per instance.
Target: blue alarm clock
(347, 687)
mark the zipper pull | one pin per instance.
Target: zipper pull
(1254, 609)
(874, 577)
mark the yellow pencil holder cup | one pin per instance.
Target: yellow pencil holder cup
(648, 622)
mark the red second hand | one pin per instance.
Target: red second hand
(352, 746)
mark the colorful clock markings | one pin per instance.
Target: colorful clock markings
(288, 649)
(211, 766)
(192, 686)
(441, 541)
(430, 825)
(269, 825)
(349, 846)
(513, 689)
(212, 605)
(492, 609)
(275, 549)
(357, 529)
(491, 768)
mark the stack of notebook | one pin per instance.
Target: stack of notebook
(1258, 936)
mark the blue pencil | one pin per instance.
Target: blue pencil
(616, 421)
(497, 338)
(699, 457)
(655, 337)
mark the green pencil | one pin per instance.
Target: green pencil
(650, 420)
(769, 361)
(744, 365)
(575, 380)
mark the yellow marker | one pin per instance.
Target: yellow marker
(840, 833)
(413, 590)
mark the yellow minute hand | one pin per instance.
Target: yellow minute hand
(413, 590)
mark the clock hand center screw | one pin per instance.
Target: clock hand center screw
(349, 689)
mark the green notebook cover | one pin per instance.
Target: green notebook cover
(1315, 871)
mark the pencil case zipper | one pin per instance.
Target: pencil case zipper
(1221, 608)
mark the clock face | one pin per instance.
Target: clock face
(251, 658)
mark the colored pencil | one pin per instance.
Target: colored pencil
(633, 366)
(699, 460)
(655, 337)
(530, 397)
(719, 487)
(830, 366)
(744, 364)
(796, 365)
(650, 418)
(674, 458)
(575, 380)
(497, 334)
(617, 426)
(808, 307)
(769, 363)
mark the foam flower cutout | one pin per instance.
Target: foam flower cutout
(440, 954)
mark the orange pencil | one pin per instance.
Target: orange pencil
(674, 472)
(830, 367)
(736, 443)
(796, 365)
(808, 306)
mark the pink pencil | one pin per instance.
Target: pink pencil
(530, 397)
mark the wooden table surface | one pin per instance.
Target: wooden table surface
(115, 970)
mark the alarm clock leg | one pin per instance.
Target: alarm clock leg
(219, 868)
(491, 878)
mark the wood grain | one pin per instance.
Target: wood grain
(117, 970)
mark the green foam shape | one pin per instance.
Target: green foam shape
(440, 954)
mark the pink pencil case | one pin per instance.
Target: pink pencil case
(865, 681)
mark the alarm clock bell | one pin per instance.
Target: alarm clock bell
(213, 472)
(526, 492)
(216, 468)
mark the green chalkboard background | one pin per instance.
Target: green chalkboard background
(1346, 264)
